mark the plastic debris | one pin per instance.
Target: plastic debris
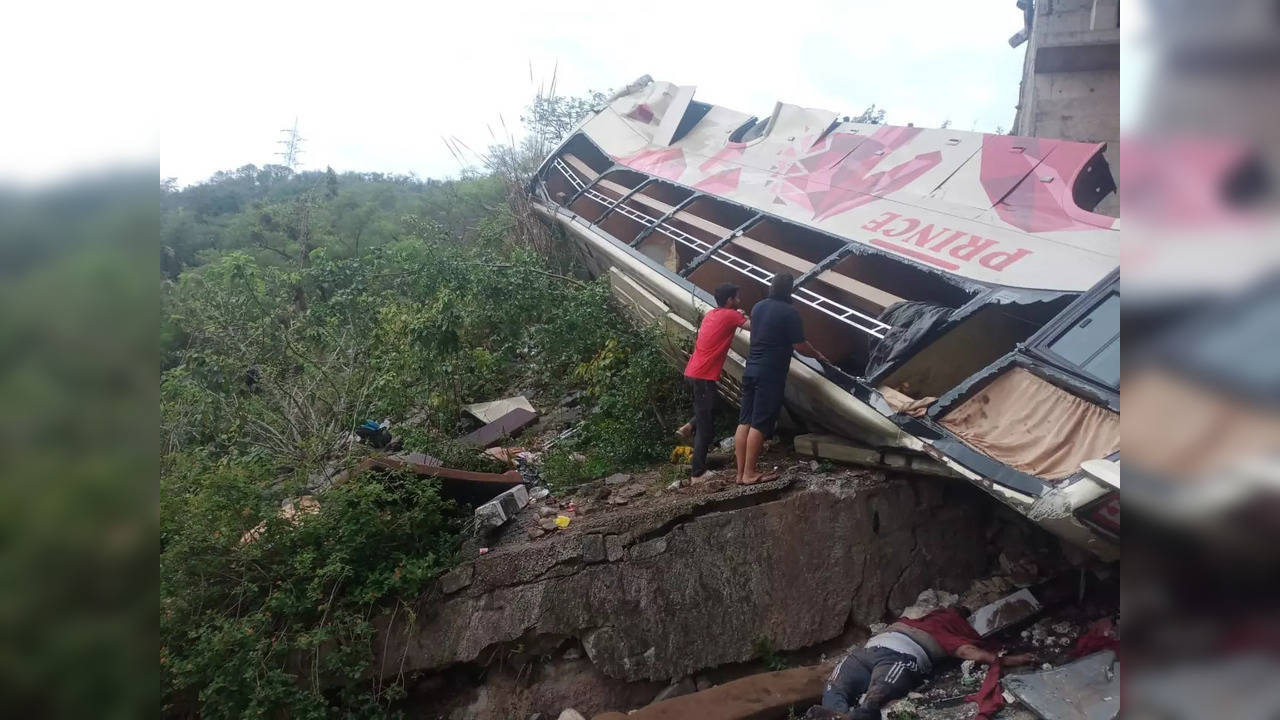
(539, 493)
(562, 521)
(681, 455)
(484, 551)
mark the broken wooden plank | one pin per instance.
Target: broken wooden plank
(504, 427)
(506, 479)
(755, 696)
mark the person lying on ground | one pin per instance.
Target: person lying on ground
(776, 330)
(896, 661)
(709, 351)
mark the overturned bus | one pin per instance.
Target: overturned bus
(959, 282)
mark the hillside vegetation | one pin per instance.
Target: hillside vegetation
(295, 307)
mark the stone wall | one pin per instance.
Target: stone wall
(692, 585)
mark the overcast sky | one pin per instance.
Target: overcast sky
(375, 86)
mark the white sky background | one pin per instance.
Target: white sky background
(375, 85)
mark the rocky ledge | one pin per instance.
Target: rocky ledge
(661, 592)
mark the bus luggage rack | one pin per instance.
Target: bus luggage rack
(849, 316)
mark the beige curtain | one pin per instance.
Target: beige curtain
(1032, 425)
(903, 403)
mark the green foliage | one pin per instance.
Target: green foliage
(283, 623)
(270, 359)
(551, 116)
(279, 217)
(763, 649)
(872, 115)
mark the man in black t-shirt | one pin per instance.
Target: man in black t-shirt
(776, 330)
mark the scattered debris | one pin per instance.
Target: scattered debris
(526, 465)
(487, 412)
(833, 447)
(375, 434)
(1101, 635)
(567, 433)
(504, 427)
(290, 510)
(928, 601)
(539, 493)
(726, 445)
(483, 551)
(681, 455)
(504, 454)
(1005, 612)
(562, 521)
(570, 714)
(499, 510)
(1087, 689)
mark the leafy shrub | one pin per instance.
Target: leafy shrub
(282, 623)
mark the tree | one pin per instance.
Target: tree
(330, 182)
(872, 115)
(551, 117)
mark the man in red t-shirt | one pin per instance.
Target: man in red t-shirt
(714, 336)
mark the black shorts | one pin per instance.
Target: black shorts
(761, 402)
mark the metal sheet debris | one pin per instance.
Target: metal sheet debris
(1087, 689)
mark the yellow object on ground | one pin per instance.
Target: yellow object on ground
(562, 521)
(681, 455)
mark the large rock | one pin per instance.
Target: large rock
(691, 584)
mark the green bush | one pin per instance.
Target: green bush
(268, 366)
(283, 623)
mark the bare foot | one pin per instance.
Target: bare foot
(695, 479)
(685, 431)
(757, 478)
